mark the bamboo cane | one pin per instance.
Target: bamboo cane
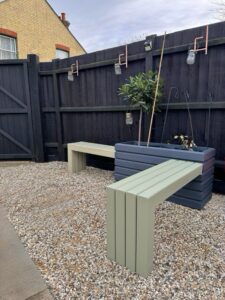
(156, 90)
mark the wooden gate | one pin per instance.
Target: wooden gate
(16, 133)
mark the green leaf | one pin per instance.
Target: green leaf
(139, 90)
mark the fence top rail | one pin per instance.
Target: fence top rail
(13, 61)
(92, 65)
(135, 57)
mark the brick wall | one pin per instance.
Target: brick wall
(38, 28)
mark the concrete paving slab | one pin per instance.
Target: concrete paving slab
(13, 163)
(41, 296)
(19, 277)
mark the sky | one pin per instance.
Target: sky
(101, 24)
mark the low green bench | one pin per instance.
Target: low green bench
(131, 204)
(77, 154)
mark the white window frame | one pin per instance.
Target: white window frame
(13, 47)
(61, 51)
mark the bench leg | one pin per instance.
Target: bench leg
(111, 224)
(120, 228)
(145, 236)
(116, 226)
(130, 231)
(76, 161)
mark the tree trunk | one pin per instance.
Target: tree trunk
(140, 123)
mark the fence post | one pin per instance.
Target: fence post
(149, 65)
(33, 70)
(61, 152)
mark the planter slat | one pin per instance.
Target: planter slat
(195, 195)
(190, 202)
(140, 158)
(156, 150)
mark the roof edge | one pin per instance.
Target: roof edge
(65, 26)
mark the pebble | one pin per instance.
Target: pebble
(60, 219)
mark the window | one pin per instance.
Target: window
(7, 47)
(61, 54)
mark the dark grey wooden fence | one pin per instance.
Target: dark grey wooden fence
(16, 135)
(89, 108)
(41, 111)
(20, 118)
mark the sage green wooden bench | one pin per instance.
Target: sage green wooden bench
(77, 154)
(131, 204)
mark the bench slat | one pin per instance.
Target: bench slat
(120, 185)
(146, 202)
(173, 183)
(145, 236)
(154, 177)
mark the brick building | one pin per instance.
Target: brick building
(33, 27)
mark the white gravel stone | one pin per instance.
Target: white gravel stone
(60, 218)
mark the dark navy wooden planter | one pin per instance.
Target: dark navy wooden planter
(131, 158)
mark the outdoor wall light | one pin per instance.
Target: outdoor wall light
(74, 70)
(148, 45)
(123, 60)
(70, 76)
(118, 70)
(192, 53)
(129, 118)
(191, 57)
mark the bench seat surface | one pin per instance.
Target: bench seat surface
(169, 176)
(92, 148)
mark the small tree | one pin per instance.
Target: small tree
(140, 91)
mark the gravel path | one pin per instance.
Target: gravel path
(60, 218)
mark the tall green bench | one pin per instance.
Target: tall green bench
(131, 204)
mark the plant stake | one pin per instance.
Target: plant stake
(156, 90)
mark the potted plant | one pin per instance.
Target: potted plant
(140, 91)
(133, 157)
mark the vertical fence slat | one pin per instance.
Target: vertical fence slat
(149, 57)
(61, 154)
(33, 69)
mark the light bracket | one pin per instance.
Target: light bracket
(123, 58)
(198, 38)
(74, 69)
(192, 52)
(122, 61)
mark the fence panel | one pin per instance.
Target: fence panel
(16, 136)
(89, 107)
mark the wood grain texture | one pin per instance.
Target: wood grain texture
(131, 211)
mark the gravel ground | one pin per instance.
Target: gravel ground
(60, 218)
